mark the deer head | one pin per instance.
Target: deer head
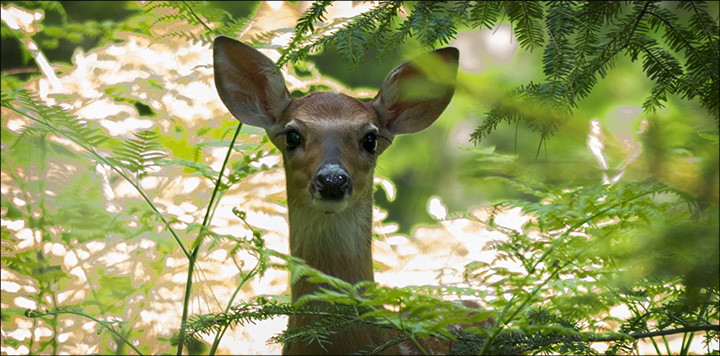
(330, 143)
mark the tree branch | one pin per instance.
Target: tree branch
(707, 31)
(604, 57)
(686, 43)
(619, 337)
(687, 329)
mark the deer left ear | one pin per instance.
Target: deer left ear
(415, 93)
(246, 83)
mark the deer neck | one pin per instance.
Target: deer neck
(338, 244)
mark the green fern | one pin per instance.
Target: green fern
(526, 17)
(683, 62)
(483, 13)
(140, 154)
(56, 120)
(196, 13)
(185, 10)
(573, 271)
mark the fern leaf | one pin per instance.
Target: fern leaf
(54, 119)
(527, 16)
(140, 154)
(484, 14)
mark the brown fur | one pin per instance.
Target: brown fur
(331, 234)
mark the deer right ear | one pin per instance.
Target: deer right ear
(415, 93)
(246, 84)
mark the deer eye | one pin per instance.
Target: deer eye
(292, 140)
(369, 142)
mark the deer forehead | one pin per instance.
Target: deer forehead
(332, 126)
(329, 112)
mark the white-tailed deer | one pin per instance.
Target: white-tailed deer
(330, 143)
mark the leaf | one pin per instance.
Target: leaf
(141, 154)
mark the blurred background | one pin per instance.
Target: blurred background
(436, 169)
(442, 160)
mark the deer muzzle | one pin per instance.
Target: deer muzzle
(331, 188)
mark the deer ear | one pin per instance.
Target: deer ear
(415, 93)
(247, 86)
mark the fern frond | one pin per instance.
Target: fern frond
(527, 17)
(431, 23)
(297, 49)
(484, 13)
(678, 38)
(55, 119)
(140, 154)
(702, 23)
(313, 15)
(240, 314)
(559, 54)
(196, 13)
(352, 40)
(233, 26)
(190, 10)
(584, 77)
(352, 45)
(398, 36)
(590, 18)
(537, 105)
(574, 57)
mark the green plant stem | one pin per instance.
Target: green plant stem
(636, 336)
(99, 157)
(197, 18)
(687, 340)
(219, 335)
(198, 243)
(411, 337)
(655, 345)
(105, 324)
(246, 277)
(415, 342)
(692, 328)
(494, 332)
(667, 344)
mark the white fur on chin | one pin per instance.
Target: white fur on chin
(330, 206)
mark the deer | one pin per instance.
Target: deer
(330, 143)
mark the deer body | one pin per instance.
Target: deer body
(330, 143)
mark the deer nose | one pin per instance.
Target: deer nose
(332, 182)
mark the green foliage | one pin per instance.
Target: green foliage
(199, 13)
(580, 265)
(55, 120)
(77, 208)
(354, 38)
(679, 48)
(583, 261)
(112, 327)
(606, 256)
(545, 333)
(643, 245)
(66, 28)
(140, 154)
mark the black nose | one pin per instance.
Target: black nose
(332, 182)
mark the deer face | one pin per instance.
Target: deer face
(330, 142)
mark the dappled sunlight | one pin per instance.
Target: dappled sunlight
(20, 19)
(476, 47)
(500, 43)
(437, 254)
(143, 83)
(174, 78)
(19, 285)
